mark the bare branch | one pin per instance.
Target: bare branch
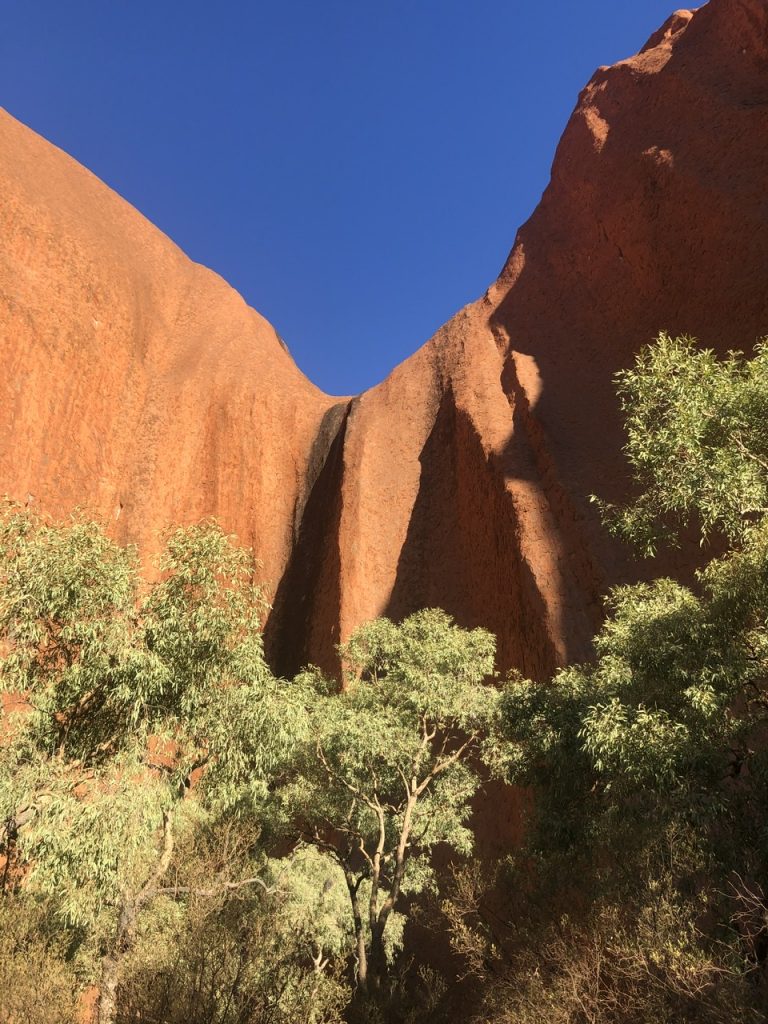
(736, 437)
(452, 759)
(176, 890)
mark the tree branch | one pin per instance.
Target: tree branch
(176, 890)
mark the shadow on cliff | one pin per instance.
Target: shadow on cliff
(303, 625)
(649, 226)
(461, 551)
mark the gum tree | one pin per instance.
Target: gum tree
(391, 765)
(697, 443)
(649, 765)
(130, 695)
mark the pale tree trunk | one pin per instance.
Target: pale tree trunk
(110, 964)
(125, 932)
(378, 959)
(107, 1004)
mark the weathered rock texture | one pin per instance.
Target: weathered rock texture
(139, 384)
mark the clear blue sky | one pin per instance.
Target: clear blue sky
(356, 169)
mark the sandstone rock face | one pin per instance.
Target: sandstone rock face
(135, 382)
(140, 385)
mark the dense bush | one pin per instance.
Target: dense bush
(38, 984)
(228, 955)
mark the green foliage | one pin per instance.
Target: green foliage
(649, 735)
(314, 904)
(656, 704)
(391, 763)
(697, 430)
(67, 623)
(104, 667)
(85, 849)
(649, 767)
(136, 696)
(233, 953)
(675, 697)
(131, 693)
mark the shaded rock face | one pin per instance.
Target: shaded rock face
(140, 385)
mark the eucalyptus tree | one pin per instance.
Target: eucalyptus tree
(676, 691)
(391, 765)
(649, 765)
(130, 693)
(697, 443)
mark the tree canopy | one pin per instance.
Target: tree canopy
(649, 765)
(697, 442)
(152, 730)
(129, 691)
(391, 764)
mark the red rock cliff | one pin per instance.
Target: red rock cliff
(140, 384)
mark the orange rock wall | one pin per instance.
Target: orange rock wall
(134, 381)
(139, 384)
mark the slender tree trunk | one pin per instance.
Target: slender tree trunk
(377, 960)
(125, 932)
(107, 1005)
(362, 953)
(362, 962)
(110, 963)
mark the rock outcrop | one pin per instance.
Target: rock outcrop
(135, 382)
(140, 385)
